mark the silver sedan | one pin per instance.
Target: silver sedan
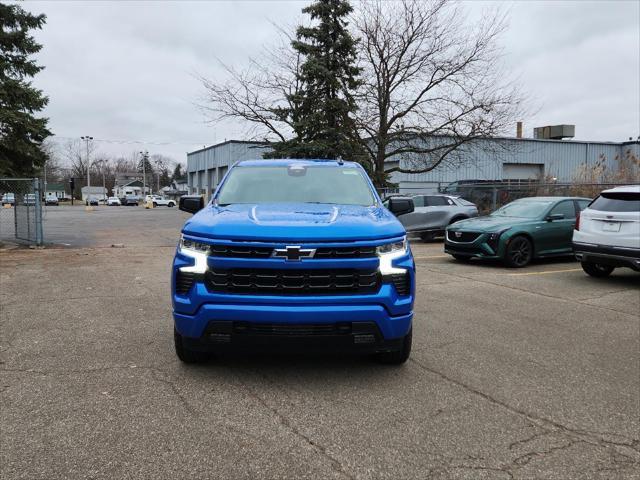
(433, 213)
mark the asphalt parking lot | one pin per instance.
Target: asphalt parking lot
(531, 373)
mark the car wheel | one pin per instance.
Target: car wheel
(461, 258)
(597, 269)
(399, 356)
(519, 252)
(185, 354)
(171, 204)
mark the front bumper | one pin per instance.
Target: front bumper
(607, 255)
(354, 337)
(478, 248)
(390, 312)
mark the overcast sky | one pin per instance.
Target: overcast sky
(126, 71)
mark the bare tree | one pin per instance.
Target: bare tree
(74, 154)
(260, 95)
(431, 84)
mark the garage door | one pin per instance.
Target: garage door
(522, 171)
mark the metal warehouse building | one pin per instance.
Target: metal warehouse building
(487, 159)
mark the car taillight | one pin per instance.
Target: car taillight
(577, 227)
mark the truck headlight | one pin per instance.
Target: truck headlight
(396, 248)
(198, 251)
(389, 252)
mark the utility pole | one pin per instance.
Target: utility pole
(87, 139)
(145, 155)
(104, 183)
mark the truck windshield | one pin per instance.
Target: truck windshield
(296, 184)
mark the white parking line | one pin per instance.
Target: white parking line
(543, 273)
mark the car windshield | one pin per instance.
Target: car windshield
(296, 184)
(528, 209)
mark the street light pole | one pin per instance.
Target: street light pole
(144, 154)
(87, 139)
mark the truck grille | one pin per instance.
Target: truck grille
(465, 237)
(292, 282)
(232, 251)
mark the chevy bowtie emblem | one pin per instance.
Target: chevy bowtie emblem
(458, 234)
(293, 253)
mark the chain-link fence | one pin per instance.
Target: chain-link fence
(490, 195)
(21, 212)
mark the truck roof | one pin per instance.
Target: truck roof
(284, 162)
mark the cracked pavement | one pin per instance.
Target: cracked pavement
(534, 376)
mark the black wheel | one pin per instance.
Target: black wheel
(428, 236)
(155, 204)
(171, 204)
(519, 252)
(597, 269)
(185, 354)
(399, 356)
(461, 258)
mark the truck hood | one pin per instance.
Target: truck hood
(294, 222)
(488, 223)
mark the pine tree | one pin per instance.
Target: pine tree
(178, 174)
(21, 132)
(324, 105)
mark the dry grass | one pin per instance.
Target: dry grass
(588, 179)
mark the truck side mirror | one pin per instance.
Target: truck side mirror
(400, 205)
(191, 203)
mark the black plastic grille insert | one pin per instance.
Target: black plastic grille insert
(465, 237)
(292, 282)
(232, 251)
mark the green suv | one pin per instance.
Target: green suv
(524, 229)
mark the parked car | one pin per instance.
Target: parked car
(158, 200)
(51, 199)
(9, 199)
(305, 257)
(607, 232)
(485, 193)
(91, 200)
(113, 201)
(130, 200)
(432, 214)
(518, 232)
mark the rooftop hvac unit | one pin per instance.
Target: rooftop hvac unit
(555, 132)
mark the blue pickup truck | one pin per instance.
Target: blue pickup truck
(298, 255)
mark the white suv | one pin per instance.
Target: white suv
(607, 232)
(157, 200)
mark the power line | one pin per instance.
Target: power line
(132, 142)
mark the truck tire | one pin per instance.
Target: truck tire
(171, 204)
(596, 269)
(155, 205)
(519, 252)
(185, 354)
(399, 356)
